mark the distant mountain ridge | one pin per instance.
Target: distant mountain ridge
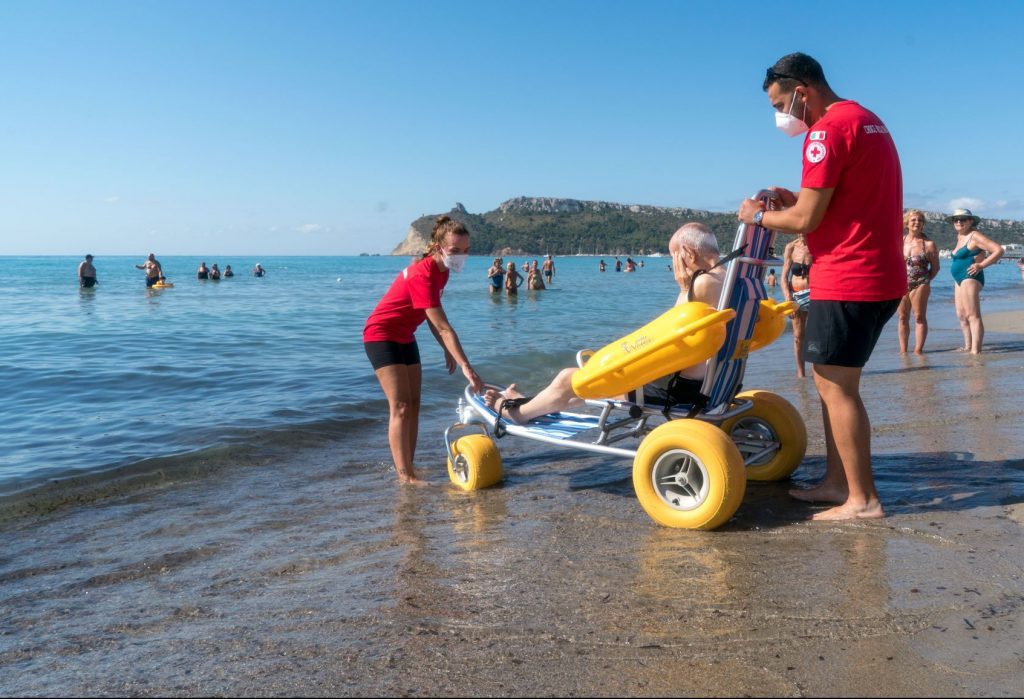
(538, 225)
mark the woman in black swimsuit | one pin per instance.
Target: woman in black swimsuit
(796, 268)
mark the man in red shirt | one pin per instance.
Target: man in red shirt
(850, 205)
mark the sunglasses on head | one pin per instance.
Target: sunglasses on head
(771, 76)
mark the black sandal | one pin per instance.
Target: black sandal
(499, 429)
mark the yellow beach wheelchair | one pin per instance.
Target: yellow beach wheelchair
(691, 462)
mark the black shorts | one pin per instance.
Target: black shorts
(681, 392)
(150, 281)
(88, 282)
(388, 353)
(844, 333)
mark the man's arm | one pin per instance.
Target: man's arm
(804, 216)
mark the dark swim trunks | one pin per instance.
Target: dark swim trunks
(844, 333)
(386, 353)
(150, 281)
(88, 282)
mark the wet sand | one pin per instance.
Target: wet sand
(307, 572)
(1004, 321)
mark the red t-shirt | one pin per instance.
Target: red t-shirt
(404, 306)
(858, 247)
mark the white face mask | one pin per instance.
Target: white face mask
(789, 124)
(454, 262)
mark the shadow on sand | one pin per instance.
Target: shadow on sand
(907, 484)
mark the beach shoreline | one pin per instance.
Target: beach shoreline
(305, 571)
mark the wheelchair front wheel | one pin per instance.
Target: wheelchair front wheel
(689, 475)
(476, 464)
(771, 436)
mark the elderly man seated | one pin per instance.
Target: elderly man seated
(693, 248)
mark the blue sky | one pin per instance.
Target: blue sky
(327, 127)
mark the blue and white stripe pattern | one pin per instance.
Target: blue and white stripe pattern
(557, 425)
(747, 293)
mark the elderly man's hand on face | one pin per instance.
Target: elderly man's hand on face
(679, 270)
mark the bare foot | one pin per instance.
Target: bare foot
(495, 399)
(823, 492)
(412, 480)
(870, 510)
(962, 349)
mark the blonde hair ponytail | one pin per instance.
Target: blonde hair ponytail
(442, 227)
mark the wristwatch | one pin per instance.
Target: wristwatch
(757, 217)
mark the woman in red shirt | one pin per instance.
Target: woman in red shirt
(390, 340)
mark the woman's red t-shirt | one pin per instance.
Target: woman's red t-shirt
(404, 307)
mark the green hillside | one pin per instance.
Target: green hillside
(535, 226)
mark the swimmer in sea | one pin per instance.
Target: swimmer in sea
(86, 273)
(513, 280)
(549, 268)
(534, 280)
(496, 276)
(154, 272)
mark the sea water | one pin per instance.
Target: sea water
(108, 379)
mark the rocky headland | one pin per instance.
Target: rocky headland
(540, 225)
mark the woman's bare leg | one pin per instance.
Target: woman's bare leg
(970, 299)
(919, 303)
(961, 315)
(799, 323)
(403, 400)
(413, 416)
(903, 323)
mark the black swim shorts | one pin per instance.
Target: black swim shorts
(386, 353)
(844, 333)
(150, 281)
(88, 282)
(680, 392)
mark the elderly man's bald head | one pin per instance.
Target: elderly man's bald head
(696, 236)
